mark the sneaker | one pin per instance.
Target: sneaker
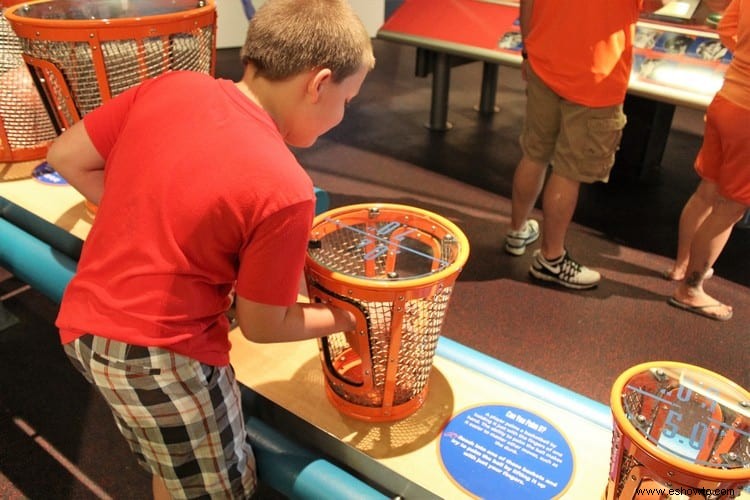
(564, 271)
(517, 241)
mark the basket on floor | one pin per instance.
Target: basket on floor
(394, 268)
(678, 427)
(26, 129)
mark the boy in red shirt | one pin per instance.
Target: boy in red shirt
(199, 198)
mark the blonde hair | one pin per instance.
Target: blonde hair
(289, 37)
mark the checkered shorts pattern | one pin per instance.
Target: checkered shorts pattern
(182, 419)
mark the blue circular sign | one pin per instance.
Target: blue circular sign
(500, 452)
(45, 174)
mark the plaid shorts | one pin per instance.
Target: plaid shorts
(182, 419)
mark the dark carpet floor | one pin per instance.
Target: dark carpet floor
(58, 441)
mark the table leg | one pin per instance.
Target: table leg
(644, 138)
(441, 79)
(489, 89)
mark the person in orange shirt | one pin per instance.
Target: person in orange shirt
(723, 163)
(577, 61)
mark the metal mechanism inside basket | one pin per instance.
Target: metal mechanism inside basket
(25, 125)
(394, 267)
(679, 427)
(83, 53)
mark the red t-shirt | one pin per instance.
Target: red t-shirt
(201, 196)
(583, 49)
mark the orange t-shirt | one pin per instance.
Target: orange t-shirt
(734, 31)
(583, 49)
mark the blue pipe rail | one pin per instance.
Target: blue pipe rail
(298, 473)
(35, 262)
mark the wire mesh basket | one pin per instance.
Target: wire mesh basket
(678, 428)
(84, 52)
(26, 129)
(394, 268)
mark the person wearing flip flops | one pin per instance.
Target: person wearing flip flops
(723, 163)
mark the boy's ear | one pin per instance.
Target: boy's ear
(320, 77)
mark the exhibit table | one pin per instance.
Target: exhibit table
(486, 429)
(674, 65)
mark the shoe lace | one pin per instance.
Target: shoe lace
(570, 267)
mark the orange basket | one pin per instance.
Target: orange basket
(678, 428)
(394, 268)
(84, 53)
(26, 129)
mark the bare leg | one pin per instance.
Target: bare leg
(559, 204)
(159, 489)
(528, 181)
(694, 213)
(708, 242)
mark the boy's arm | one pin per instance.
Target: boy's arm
(74, 156)
(263, 323)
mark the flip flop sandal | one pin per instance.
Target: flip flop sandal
(701, 310)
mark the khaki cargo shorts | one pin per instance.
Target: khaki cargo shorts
(580, 142)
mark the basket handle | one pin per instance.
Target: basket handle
(357, 339)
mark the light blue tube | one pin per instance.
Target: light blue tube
(554, 394)
(298, 473)
(41, 229)
(322, 201)
(34, 261)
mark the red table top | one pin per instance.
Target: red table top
(475, 23)
(686, 75)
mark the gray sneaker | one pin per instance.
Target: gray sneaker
(517, 241)
(564, 271)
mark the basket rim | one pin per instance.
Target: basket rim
(447, 274)
(623, 423)
(98, 24)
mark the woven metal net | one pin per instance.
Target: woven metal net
(359, 251)
(728, 420)
(385, 251)
(126, 62)
(701, 418)
(25, 125)
(419, 336)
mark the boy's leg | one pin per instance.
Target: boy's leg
(159, 489)
(182, 419)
